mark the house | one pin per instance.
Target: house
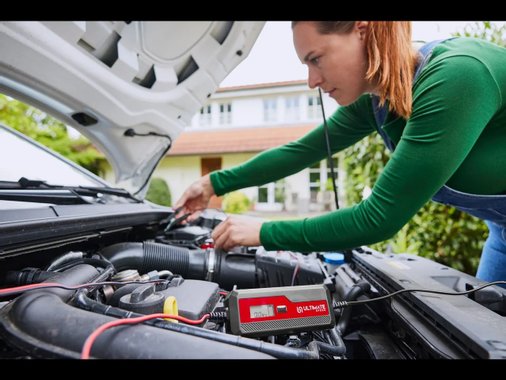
(235, 124)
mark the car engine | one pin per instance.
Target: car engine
(55, 295)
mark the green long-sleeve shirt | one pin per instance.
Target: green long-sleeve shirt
(456, 135)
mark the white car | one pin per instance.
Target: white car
(84, 262)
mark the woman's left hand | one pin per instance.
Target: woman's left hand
(237, 230)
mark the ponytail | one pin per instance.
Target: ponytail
(391, 63)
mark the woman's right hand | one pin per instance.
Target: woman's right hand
(195, 198)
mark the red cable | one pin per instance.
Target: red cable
(43, 285)
(85, 353)
(20, 289)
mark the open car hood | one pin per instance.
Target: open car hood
(130, 87)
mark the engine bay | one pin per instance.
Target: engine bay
(248, 303)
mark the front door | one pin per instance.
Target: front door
(209, 165)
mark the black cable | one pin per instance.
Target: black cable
(218, 316)
(175, 221)
(329, 152)
(341, 304)
(69, 264)
(131, 133)
(360, 288)
(327, 348)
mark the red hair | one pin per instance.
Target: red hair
(391, 59)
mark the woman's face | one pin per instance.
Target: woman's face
(336, 63)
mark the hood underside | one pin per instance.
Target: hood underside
(130, 87)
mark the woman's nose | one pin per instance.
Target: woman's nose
(314, 78)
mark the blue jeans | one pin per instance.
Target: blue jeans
(492, 209)
(493, 258)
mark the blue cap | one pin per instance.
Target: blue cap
(333, 258)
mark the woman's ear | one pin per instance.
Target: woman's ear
(361, 28)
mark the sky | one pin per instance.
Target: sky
(273, 58)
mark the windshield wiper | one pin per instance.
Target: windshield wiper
(65, 197)
(79, 191)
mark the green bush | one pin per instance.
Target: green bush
(279, 191)
(159, 192)
(236, 202)
(328, 185)
(438, 232)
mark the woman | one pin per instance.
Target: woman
(447, 125)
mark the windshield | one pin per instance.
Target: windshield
(20, 158)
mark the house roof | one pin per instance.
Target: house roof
(236, 140)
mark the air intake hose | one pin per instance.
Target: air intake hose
(218, 266)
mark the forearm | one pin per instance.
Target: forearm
(346, 126)
(338, 230)
(266, 167)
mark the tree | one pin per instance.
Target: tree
(485, 30)
(49, 132)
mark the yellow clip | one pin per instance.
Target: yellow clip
(170, 307)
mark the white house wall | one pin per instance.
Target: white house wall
(245, 112)
(179, 172)
(297, 192)
(230, 160)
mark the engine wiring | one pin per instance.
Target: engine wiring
(338, 304)
(221, 316)
(85, 353)
(296, 269)
(341, 304)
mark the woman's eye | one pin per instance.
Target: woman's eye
(315, 60)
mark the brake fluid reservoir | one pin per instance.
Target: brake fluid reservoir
(333, 260)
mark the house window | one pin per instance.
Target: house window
(226, 113)
(271, 193)
(292, 108)
(263, 194)
(205, 115)
(319, 178)
(314, 107)
(270, 110)
(328, 184)
(314, 181)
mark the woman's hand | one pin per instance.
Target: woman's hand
(195, 198)
(237, 230)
